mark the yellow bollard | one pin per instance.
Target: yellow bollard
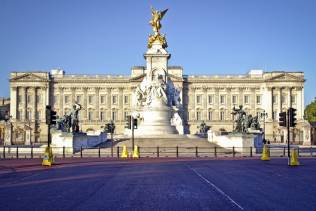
(294, 158)
(265, 153)
(124, 152)
(136, 152)
(48, 157)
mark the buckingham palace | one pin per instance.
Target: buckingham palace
(204, 98)
(208, 98)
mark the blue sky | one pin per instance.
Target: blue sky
(205, 37)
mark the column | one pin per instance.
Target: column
(204, 100)
(14, 104)
(97, 104)
(73, 96)
(289, 99)
(300, 102)
(120, 104)
(34, 103)
(109, 103)
(61, 101)
(24, 100)
(85, 104)
(253, 101)
(229, 104)
(44, 100)
(216, 103)
(240, 97)
(267, 103)
(280, 99)
(191, 104)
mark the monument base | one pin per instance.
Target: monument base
(242, 143)
(74, 142)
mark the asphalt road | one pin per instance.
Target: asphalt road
(163, 184)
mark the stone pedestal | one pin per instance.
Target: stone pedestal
(73, 142)
(156, 120)
(241, 142)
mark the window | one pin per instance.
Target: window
(198, 99)
(198, 115)
(246, 99)
(274, 99)
(102, 99)
(234, 99)
(258, 99)
(210, 115)
(222, 99)
(113, 115)
(114, 99)
(125, 99)
(274, 115)
(210, 99)
(66, 99)
(78, 99)
(222, 115)
(90, 99)
(102, 116)
(293, 99)
(90, 115)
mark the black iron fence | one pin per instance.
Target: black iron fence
(9, 152)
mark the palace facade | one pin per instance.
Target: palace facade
(204, 98)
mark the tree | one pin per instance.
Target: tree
(310, 112)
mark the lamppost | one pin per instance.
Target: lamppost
(263, 115)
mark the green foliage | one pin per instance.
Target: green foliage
(310, 112)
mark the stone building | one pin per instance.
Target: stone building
(205, 98)
(208, 98)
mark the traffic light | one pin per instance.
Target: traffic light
(282, 119)
(47, 114)
(292, 117)
(51, 115)
(128, 122)
(135, 123)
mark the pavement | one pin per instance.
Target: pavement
(158, 184)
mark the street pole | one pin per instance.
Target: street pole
(132, 125)
(288, 134)
(49, 135)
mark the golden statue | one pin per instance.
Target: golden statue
(155, 22)
(156, 17)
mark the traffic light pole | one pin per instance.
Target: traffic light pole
(49, 135)
(132, 125)
(288, 134)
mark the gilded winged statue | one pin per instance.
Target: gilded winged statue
(156, 18)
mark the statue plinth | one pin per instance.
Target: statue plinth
(155, 120)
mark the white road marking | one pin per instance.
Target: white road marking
(216, 188)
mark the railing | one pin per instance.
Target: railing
(19, 152)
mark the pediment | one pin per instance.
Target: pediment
(28, 77)
(284, 77)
